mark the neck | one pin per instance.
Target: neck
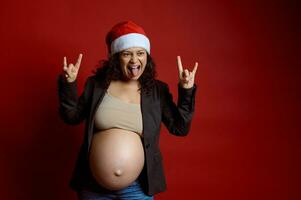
(130, 83)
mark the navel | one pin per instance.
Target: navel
(118, 172)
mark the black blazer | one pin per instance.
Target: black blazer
(156, 106)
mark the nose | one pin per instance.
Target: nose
(134, 58)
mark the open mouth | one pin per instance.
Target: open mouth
(134, 69)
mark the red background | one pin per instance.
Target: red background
(244, 142)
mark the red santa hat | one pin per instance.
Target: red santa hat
(125, 35)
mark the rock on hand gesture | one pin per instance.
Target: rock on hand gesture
(186, 77)
(71, 70)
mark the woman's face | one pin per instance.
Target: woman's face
(132, 62)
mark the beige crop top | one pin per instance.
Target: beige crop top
(116, 113)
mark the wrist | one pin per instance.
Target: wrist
(70, 80)
(186, 85)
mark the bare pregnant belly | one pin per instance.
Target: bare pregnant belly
(116, 158)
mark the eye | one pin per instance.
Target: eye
(140, 53)
(125, 54)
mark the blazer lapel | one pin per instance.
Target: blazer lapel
(145, 106)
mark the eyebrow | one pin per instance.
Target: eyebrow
(127, 51)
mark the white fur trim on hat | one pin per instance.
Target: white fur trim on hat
(130, 40)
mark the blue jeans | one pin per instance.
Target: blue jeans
(132, 192)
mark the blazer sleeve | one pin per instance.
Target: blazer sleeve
(177, 118)
(73, 109)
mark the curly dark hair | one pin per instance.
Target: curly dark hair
(109, 70)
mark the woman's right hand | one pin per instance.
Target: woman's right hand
(71, 70)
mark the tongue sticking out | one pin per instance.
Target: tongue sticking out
(134, 71)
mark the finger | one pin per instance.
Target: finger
(191, 76)
(65, 68)
(65, 61)
(180, 66)
(70, 68)
(79, 60)
(186, 74)
(67, 71)
(195, 68)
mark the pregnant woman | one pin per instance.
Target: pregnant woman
(123, 105)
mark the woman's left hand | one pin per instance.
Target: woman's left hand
(186, 77)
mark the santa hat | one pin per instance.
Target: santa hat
(125, 35)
